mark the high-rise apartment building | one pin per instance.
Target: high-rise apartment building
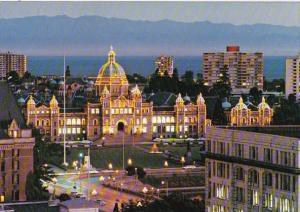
(244, 70)
(164, 64)
(12, 62)
(292, 76)
(249, 171)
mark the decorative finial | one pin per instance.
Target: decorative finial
(111, 48)
(241, 100)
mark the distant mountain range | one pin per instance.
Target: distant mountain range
(92, 35)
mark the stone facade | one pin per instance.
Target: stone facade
(16, 158)
(248, 171)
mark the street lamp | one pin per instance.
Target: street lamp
(166, 164)
(163, 183)
(110, 166)
(101, 179)
(145, 190)
(182, 160)
(94, 192)
(129, 162)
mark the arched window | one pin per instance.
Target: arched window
(73, 121)
(144, 120)
(267, 176)
(95, 122)
(78, 121)
(253, 177)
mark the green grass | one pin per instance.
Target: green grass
(175, 181)
(101, 157)
(180, 151)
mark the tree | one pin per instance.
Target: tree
(222, 88)
(13, 77)
(27, 75)
(219, 117)
(255, 94)
(68, 71)
(173, 203)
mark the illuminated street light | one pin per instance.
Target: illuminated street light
(166, 164)
(129, 162)
(182, 160)
(101, 178)
(94, 192)
(110, 166)
(145, 191)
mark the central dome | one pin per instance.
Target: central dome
(113, 76)
(111, 68)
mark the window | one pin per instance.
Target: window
(222, 191)
(239, 150)
(144, 129)
(221, 170)
(253, 177)
(268, 179)
(253, 153)
(154, 129)
(269, 201)
(95, 122)
(78, 122)
(255, 198)
(154, 119)
(239, 194)
(268, 155)
(240, 173)
(95, 131)
(144, 120)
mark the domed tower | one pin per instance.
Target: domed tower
(240, 114)
(180, 116)
(54, 117)
(265, 113)
(201, 106)
(30, 111)
(112, 75)
(136, 95)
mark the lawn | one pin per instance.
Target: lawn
(181, 150)
(101, 157)
(175, 181)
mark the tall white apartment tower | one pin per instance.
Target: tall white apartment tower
(292, 76)
(244, 70)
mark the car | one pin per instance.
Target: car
(189, 167)
(101, 202)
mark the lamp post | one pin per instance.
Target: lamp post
(182, 160)
(54, 180)
(145, 190)
(166, 164)
(167, 187)
(129, 162)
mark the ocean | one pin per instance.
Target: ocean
(274, 66)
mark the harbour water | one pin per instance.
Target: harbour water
(274, 66)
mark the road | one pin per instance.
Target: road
(66, 183)
(67, 180)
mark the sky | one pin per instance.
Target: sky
(277, 13)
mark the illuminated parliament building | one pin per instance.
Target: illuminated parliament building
(118, 109)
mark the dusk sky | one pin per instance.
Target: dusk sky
(277, 13)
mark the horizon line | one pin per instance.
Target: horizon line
(150, 21)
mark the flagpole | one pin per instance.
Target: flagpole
(64, 131)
